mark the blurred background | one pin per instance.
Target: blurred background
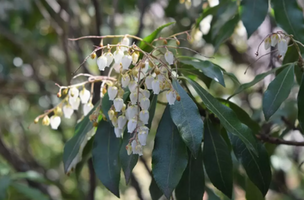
(35, 54)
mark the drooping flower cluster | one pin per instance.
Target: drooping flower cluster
(279, 40)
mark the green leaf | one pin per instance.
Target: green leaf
(144, 46)
(155, 192)
(256, 79)
(128, 162)
(5, 182)
(257, 167)
(73, 148)
(192, 183)
(86, 155)
(169, 156)
(227, 117)
(252, 192)
(193, 73)
(253, 14)
(278, 91)
(186, 117)
(210, 69)
(152, 109)
(106, 157)
(217, 159)
(30, 192)
(301, 104)
(289, 16)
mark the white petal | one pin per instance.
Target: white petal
(282, 47)
(142, 138)
(132, 125)
(171, 97)
(132, 86)
(126, 61)
(74, 103)
(102, 62)
(112, 92)
(118, 54)
(118, 132)
(133, 98)
(161, 77)
(145, 69)
(132, 111)
(55, 121)
(267, 43)
(274, 39)
(125, 41)
(125, 80)
(87, 108)
(135, 57)
(84, 95)
(148, 82)
(110, 58)
(73, 93)
(118, 104)
(67, 111)
(146, 93)
(156, 86)
(169, 57)
(144, 103)
(121, 121)
(144, 116)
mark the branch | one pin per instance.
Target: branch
(278, 141)
(92, 182)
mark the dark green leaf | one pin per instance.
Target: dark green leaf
(186, 117)
(257, 167)
(152, 109)
(227, 117)
(192, 183)
(252, 192)
(106, 157)
(217, 159)
(299, 73)
(29, 192)
(75, 145)
(301, 104)
(128, 162)
(253, 14)
(144, 46)
(155, 192)
(210, 69)
(169, 156)
(5, 182)
(278, 91)
(289, 16)
(193, 73)
(86, 155)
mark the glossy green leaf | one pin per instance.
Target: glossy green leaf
(5, 182)
(155, 192)
(278, 91)
(152, 109)
(227, 117)
(186, 117)
(192, 183)
(128, 162)
(217, 159)
(257, 167)
(252, 192)
(193, 73)
(144, 46)
(289, 16)
(169, 156)
(29, 192)
(253, 14)
(75, 145)
(301, 104)
(86, 155)
(106, 156)
(210, 69)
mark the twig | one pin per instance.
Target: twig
(278, 141)
(91, 193)
(290, 125)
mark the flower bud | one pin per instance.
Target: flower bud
(126, 42)
(178, 98)
(59, 94)
(58, 111)
(110, 58)
(55, 122)
(67, 111)
(73, 93)
(282, 47)
(93, 55)
(84, 95)
(118, 104)
(111, 114)
(36, 120)
(46, 120)
(102, 62)
(112, 92)
(165, 42)
(169, 57)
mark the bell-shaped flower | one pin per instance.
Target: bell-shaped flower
(144, 116)
(114, 121)
(73, 93)
(46, 120)
(161, 77)
(267, 43)
(282, 47)
(135, 57)
(146, 93)
(74, 103)
(132, 123)
(55, 122)
(169, 57)
(102, 62)
(148, 81)
(126, 42)
(274, 39)
(132, 86)
(121, 121)
(118, 132)
(171, 97)
(118, 104)
(87, 108)
(111, 114)
(84, 95)
(156, 86)
(118, 54)
(67, 111)
(142, 135)
(125, 80)
(144, 103)
(145, 68)
(126, 61)
(136, 148)
(112, 92)
(133, 98)
(110, 58)
(132, 111)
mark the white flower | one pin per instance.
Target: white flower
(102, 62)
(144, 103)
(135, 57)
(55, 122)
(73, 93)
(118, 104)
(125, 41)
(132, 86)
(121, 121)
(112, 92)
(114, 121)
(132, 111)
(136, 148)
(146, 93)
(84, 95)
(169, 57)
(111, 114)
(148, 81)
(282, 47)
(142, 135)
(110, 58)
(118, 54)
(160, 77)
(145, 69)
(133, 98)
(267, 43)
(132, 123)
(118, 132)
(171, 97)
(67, 111)
(156, 86)
(125, 80)
(144, 116)
(274, 39)
(126, 61)
(74, 103)
(87, 108)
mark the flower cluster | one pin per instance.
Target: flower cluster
(278, 39)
